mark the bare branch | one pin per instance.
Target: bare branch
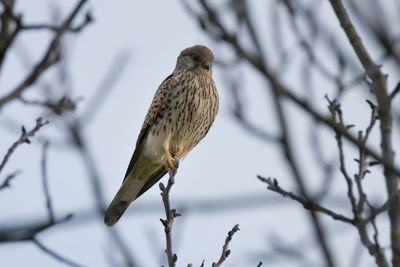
(379, 88)
(307, 204)
(225, 251)
(24, 138)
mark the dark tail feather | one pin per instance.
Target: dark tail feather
(115, 211)
(125, 195)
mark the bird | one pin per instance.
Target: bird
(182, 111)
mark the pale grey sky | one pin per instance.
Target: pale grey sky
(224, 165)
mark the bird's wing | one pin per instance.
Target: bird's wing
(159, 100)
(152, 180)
(132, 185)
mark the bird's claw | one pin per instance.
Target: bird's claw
(169, 163)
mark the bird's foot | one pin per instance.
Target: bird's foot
(169, 162)
(179, 152)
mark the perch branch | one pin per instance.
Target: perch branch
(170, 214)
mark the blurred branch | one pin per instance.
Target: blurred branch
(113, 75)
(79, 142)
(29, 231)
(395, 91)
(377, 23)
(170, 214)
(7, 180)
(280, 250)
(58, 107)
(45, 182)
(53, 254)
(24, 138)
(225, 251)
(88, 19)
(8, 30)
(234, 203)
(51, 56)
(239, 114)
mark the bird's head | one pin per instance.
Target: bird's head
(197, 58)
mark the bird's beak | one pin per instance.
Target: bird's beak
(206, 66)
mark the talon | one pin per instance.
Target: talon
(179, 152)
(169, 162)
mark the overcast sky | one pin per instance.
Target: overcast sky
(146, 37)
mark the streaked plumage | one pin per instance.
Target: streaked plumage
(183, 110)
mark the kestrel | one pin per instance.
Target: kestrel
(183, 109)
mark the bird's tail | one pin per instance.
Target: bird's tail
(125, 195)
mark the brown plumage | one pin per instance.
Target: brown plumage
(183, 110)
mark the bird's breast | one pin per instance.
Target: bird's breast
(186, 117)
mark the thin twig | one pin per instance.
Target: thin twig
(225, 250)
(337, 117)
(24, 138)
(8, 179)
(373, 248)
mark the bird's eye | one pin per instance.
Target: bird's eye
(195, 58)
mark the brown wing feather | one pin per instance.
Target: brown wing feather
(153, 179)
(159, 100)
